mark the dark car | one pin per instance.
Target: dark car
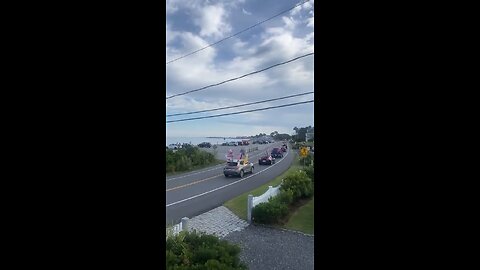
(205, 145)
(284, 148)
(277, 153)
(266, 160)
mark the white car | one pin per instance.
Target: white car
(174, 146)
(232, 144)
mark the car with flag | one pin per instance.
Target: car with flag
(238, 167)
(266, 159)
(277, 153)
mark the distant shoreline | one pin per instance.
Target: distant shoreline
(228, 137)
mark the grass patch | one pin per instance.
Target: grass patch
(302, 219)
(238, 205)
(198, 167)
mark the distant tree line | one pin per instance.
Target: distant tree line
(301, 132)
(298, 137)
(275, 135)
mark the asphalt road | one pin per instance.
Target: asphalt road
(194, 193)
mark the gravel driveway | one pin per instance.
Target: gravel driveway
(268, 248)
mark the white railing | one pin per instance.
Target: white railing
(182, 226)
(254, 201)
(271, 192)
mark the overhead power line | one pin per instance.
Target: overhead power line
(254, 110)
(248, 28)
(245, 104)
(248, 74)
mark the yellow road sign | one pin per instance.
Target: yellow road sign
(303, 152)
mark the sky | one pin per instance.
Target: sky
(193, 24)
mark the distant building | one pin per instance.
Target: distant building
(309, 134)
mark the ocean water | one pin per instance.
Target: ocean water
(198, 140)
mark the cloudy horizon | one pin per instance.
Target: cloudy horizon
(193, 24)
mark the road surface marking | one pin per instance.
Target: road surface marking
(192, 183)
(238, 181)
(213, 168)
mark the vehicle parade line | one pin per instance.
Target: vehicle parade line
(224, 186)
(211, 169)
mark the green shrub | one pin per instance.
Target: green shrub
(269, 212)
(186, 158)
(285, 196)
(308, 159)
(170, 168)
(310, 173)
(191, 250)
(183, 164)
(299, 183)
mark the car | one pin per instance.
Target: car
(205, 145)
(284, 148)
(266, 159)
(238, 167)
(277, 153)
(225, 144)
(174, 146)
(232, 144)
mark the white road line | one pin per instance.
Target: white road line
(211, 169)
(193, 183)
(238, 181)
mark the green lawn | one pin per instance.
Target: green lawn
(302, 220)
(216, 162)
(238, 205)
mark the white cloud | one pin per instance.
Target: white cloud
(296, 11)
(246, 12)
(171, 6)
(304, 7)
(289, 23)
(212, 21)
(278, 46)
